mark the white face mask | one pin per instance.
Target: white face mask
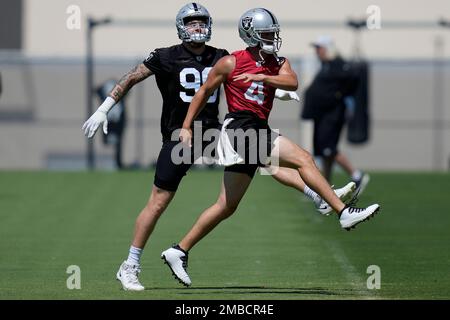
(270, 46)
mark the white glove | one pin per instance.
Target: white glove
(286, 95)
(91, 125)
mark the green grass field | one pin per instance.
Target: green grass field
(274, 247)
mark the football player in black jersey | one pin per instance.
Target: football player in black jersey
(179, 70)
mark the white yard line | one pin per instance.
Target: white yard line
(358, 283)
(352, 275)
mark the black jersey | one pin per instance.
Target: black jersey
(179, 74)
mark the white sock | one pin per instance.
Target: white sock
(356, 175)
(312, 195)
(134, 256)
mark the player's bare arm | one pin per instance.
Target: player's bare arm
(216, 77)
(135, 75)
(286, 78)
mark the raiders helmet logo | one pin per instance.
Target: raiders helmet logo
(247, 23)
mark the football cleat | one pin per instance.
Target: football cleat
(345, 194)
(361, 183)
(177, 260)
(350, 217)
(128, 276)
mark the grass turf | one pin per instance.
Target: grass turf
(274, 247)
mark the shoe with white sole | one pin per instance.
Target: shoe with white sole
(351, 216)
(345, 194)
(128, 276)
(177, 260)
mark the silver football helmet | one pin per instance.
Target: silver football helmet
(189, 12)
(254, 23)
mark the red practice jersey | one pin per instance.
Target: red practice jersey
(255, 96)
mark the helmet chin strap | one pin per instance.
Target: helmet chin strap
(261, 56)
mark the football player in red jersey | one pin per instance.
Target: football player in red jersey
(250, 78)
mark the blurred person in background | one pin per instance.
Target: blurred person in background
(325, 102)
(116, 118)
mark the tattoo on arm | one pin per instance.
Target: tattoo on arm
(135, 75)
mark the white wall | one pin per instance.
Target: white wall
(46, 32)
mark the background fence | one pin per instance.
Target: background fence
(43, 107)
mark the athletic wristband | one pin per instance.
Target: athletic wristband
(107, 105)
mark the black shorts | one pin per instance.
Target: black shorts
(168, 174)
(327, 131)
(255, 149)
